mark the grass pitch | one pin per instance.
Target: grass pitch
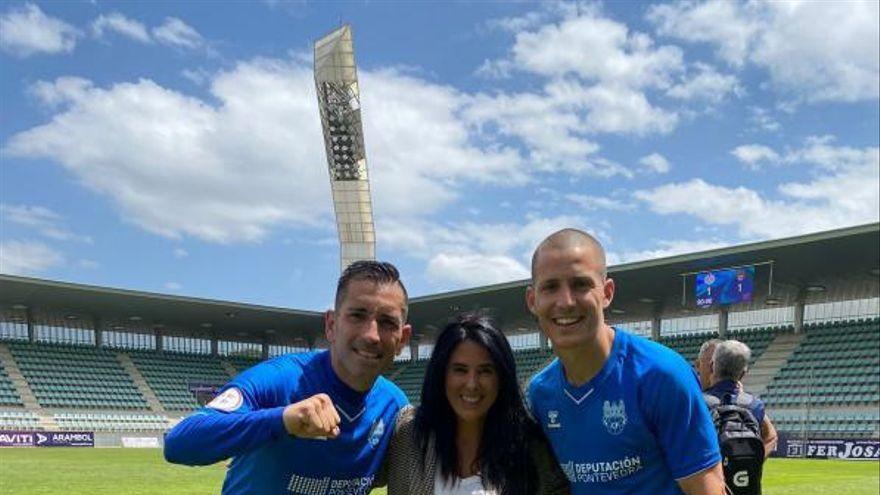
(144, 472)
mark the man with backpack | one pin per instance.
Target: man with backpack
(745, 433)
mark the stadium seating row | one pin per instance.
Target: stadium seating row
(8, 395)
(171, 376)
(76, 376)
(111, 422)
(756, 338)
(836, 366)
(19, 420)
(827, 424)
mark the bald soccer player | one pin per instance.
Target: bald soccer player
(625, 415)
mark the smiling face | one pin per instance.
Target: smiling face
(471, 382)
(366, 331)
(569, 293)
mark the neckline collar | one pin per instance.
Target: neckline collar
(580, 393)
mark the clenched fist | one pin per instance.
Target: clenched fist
(315, 417)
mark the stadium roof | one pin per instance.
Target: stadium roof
(646, 289)
(174, 314)
(837, 260)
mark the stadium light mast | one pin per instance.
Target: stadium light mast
(339, 104)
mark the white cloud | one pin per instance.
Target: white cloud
(707, 85)
(753, 155)
(721, 22)
(232, 170)
(817, 150)
(172, 286)
(452, 251)
(180, 253)
(26, 31)
(42, 220)
(843, 192)
(121, 25)
(597, 49)
(475, 269)
(516, 24)
(547, 125)
(178, 166)
(595, 76)
(400, 110)
(599, 202)
(762, 119)
(823, 50)
(62, 90)
(174, 32)
(821, 151)
(618, 109)
(198, 76)
(495, 69)
(27, 257)
(664, 249)
(655, 162)
(813, 51)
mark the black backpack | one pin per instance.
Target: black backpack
(739, 436)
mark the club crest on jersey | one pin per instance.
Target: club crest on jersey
(376, 432)
(553, 419)
(614, 416)
(228, 401)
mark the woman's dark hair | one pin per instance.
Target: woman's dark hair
(504, 459)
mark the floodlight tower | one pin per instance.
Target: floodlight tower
(339, 105)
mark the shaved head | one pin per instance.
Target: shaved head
(568, 239)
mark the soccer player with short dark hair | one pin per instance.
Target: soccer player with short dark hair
(624, 415)
(314, 422)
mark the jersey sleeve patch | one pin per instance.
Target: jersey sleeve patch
(228, 401)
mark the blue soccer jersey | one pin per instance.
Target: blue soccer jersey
(639, 425)
(244, 422)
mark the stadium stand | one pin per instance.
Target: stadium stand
(19, 420)
(240, 363)
(757, 339)
(821, 424)
(8, 395)
(111, 422)
(76, 376)
(820, 379)
(171, 376)
(529, 362)
(408, 375)
(837, 364)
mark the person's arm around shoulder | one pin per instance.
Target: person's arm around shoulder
(707, 482)
(551, 479)
(768, 435)
(396, 466)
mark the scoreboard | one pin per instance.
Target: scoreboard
(724, 287)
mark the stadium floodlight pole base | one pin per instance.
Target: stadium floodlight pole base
(340, 109)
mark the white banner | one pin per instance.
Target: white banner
(140, 442)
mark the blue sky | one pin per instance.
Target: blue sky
(175, 147)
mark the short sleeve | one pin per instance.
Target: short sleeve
(260, 387)
(758, 409)
(679, 418)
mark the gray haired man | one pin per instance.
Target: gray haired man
(730, 363)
